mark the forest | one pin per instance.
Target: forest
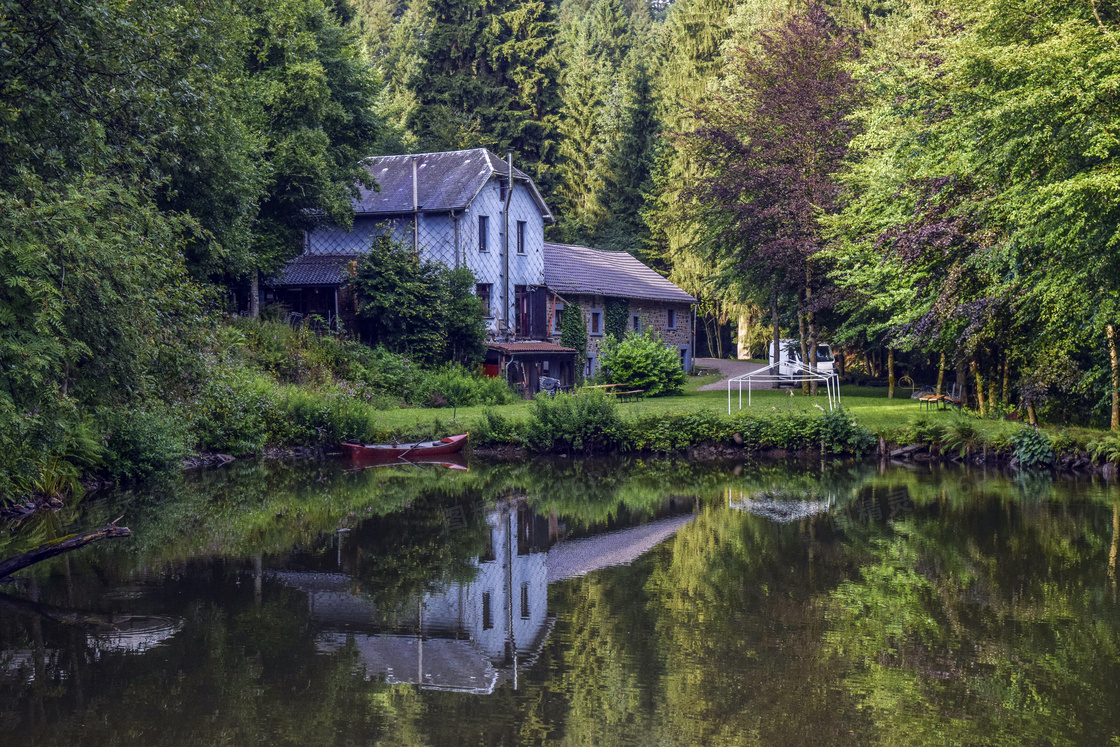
(929, 186)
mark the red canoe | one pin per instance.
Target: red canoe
(413, 451)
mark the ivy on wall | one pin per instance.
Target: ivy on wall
(616, 313)
(573, 334)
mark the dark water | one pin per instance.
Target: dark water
(575, 603)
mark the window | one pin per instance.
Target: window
(524, 601)
(544, 368)
(670, 319)
(483, 290)
(589, 370)
(596, 327)
(502, 190)
(521, 309)
(520, 237)
(483, 233)
(487, 614)
(636, 323)
(556, 328)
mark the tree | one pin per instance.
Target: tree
(768, 149)
(488, 79)
(421, 308)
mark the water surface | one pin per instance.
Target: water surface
(575, 602)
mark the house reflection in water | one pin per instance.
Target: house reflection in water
(471, 636)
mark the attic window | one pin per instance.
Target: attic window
(502, 190)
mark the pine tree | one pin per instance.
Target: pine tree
(488, 79)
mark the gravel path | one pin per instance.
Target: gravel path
(727, 370)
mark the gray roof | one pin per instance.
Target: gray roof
(314, 269)
(570, 269)
(444, 181)
(582, 556)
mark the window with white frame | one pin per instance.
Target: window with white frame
(670, 319)
(595, 328)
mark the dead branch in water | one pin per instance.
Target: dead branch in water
(61, 545)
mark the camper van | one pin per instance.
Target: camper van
(789, 362)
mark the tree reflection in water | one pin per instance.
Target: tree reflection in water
(577, 602)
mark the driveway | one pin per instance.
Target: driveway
(727, 370)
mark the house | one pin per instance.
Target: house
(457, 208)
(599, 283)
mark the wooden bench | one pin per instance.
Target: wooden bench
(630, 395)
(939, 401)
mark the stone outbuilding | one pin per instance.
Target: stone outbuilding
(601, 283)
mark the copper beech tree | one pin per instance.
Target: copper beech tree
(769, 146)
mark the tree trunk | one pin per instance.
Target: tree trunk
(890, 373)
(941, 375)
(777, 341)
(1110, 331)
(1006, 378)
(742, 341)
(981, 407)
(840, 361)
(254, 295)
(812, 348)
(804, 350)
(59, 546)
(962, 380)
(1032, 418)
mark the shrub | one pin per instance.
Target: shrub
(140, 443)
(586, 423)
(841, 434)
(642, 361)
(1106, 448)
(496, 429)
(228, 412)
(962, 436)
(455, 386)
(1032, 448)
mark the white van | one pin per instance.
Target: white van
(790, 360)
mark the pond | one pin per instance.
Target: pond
(611, 602)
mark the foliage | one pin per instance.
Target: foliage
(1032, 449)
(573, 334)
(455, 386)
(141, 443)
(421, 308)
(962, 436)
(1106, 448)
(616, 316)
(642, 361)
(589, 423)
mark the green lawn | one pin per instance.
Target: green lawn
(869, 404)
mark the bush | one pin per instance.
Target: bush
(455, 386)
(228, 412)
(140, 443)
(1032, 448)
(587, 423)
(642, 361)
(496, 429)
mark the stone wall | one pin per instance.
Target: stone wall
(653, 315)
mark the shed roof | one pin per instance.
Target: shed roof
(444, 182)
(583, 270)
(513, 348)
(314, 269)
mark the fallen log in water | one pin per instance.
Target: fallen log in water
(59, 546)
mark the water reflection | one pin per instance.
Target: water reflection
(607, 602)
(470, 636)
